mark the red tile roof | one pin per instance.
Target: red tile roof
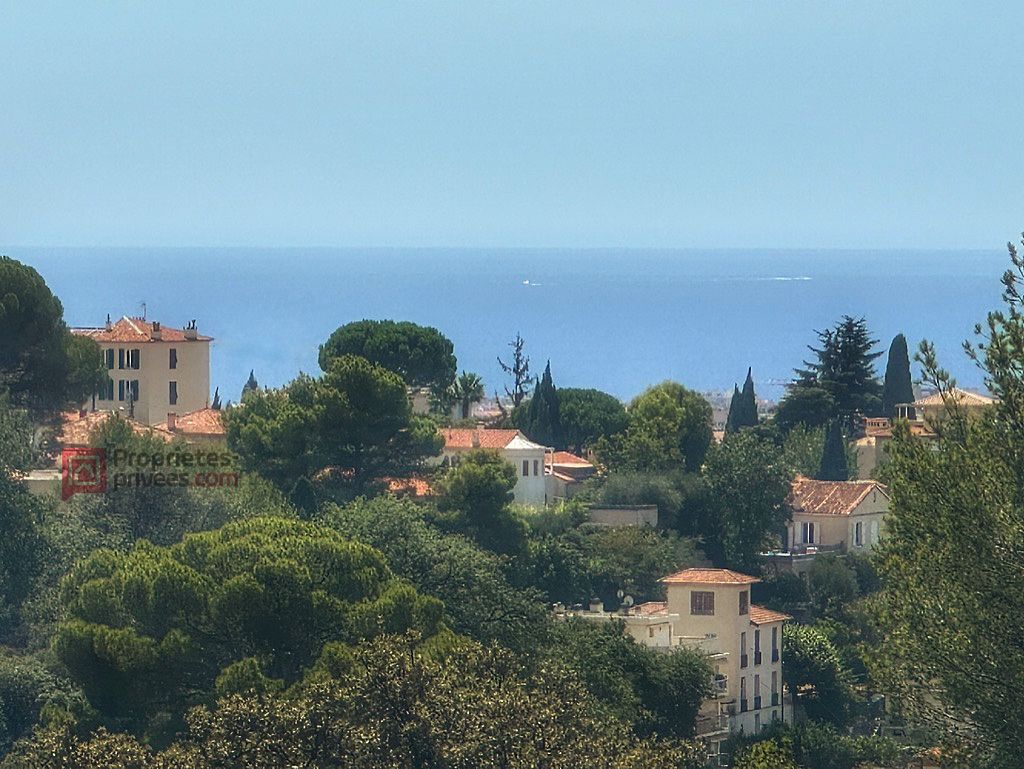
(759, 615)
(136, 331)
(956, 395)
(566, 458)
(201, 422)
(830, 497)
(709, 577)
(479, 438)
(649, 608)
(77, 430)
(413, 487)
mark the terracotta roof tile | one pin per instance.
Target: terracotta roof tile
(205, 421)
(136, 331)
(479, 438)
(566, 458)
(709, 577)
(76, 430)
(963, 397)
(759, 615)
(830, 497)
(413, 487)
(649, 608)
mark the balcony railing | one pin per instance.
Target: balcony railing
(775, 655)
(743, 705)
(757, 703)
(711, 724)
(744, 660)
(757, 658)
(775, 698)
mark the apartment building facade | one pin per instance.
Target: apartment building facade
(154, 371)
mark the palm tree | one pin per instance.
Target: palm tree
(468, 389)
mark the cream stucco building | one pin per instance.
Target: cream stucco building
(831, 517)
(154, 370)
(710, 610)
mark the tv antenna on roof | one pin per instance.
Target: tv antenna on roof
(143, 305)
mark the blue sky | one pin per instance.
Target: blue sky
(671, 124)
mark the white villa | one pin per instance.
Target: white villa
(527, 457)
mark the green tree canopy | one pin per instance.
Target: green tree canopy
(148, 631)
(747, 481)
(421, 355)
(477, 497)
(897, 387)
(844, 366)
(467, 390)
(542, 421)
(833, 456)
(43, 366)
(355, 419)
(743, 407)
(814, 671)
(479, 600)
(395, 706)
(588, 415)
(806, 406)
(669, 428)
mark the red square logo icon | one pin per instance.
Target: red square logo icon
(82, 471)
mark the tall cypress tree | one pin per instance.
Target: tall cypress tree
(731, 425)
(897, 387)
(748, 402)
(833, 457)
(543, 419)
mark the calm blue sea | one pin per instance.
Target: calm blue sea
(614, 319)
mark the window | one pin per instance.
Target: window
(650, 632)
(807, 533)
(120, 389)
(775, 682)
(744, 659)
(744, 602)
(536, 466)
(757, 722)
(526, 468)
(173, 361)
(133, 359)
(120, 357)
(134, 384)
(172, 393)
(757, 646)
(858, 534)
(702, 602)
(109, 357)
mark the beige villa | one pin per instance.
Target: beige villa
(710, 609)
(154, 370)
(831, 517)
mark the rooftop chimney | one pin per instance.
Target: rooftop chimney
(190, 329)
(109, 324)
(172, 424)
(157, 333)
